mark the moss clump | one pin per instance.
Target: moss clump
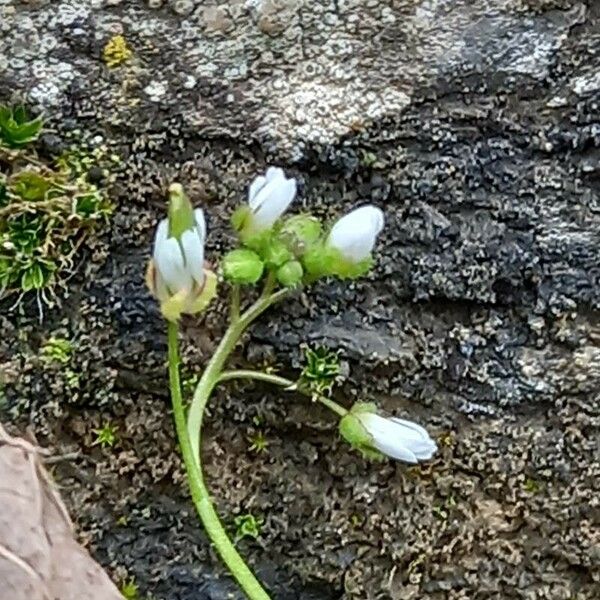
(46, 211)
(116, 51)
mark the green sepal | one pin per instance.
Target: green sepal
(242, 266)
(240, 217)
(181, 212)
(345, 269)
(354, 432)
(319, 261)
(290, 274)
(322, 261)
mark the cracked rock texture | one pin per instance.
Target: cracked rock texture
(475, 126)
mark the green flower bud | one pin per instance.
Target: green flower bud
(275, 253)
(290, 274)
(242, 266)
(301, 232)
(181, 212)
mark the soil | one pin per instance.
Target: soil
(476, 129)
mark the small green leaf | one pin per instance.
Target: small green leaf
(16, 128)
(33, 278)
(30, 185)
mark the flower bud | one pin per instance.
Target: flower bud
(354, 234)
(371, 433)
(347, 250)
(269, 197)
(301, 232)
(242, 266)
(290, 274)
(176, 275)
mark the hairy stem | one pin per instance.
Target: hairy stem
(283, 382)
(200, 495)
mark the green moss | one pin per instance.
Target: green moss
(56, 350)
(46, 212)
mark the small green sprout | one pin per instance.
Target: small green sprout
(17, 128)
(321, 370)
(189, 384)
(72, 378)
(106, 436)
(56, 350)
(130, 589)
(258, 442)
(247, 526)
(355, 520)
(531, 486)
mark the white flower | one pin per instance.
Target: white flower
(176, 274)
(397, 438)
(269, 197)
(179, 262)
(354, 234)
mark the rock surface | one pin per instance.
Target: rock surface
(475, 127)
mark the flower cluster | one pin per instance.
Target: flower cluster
(297, 249)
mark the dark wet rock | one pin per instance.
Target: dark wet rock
(475, 127)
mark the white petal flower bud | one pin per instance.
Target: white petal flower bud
(354, 234)
(397, 438)
(269, 197)
(176, 274)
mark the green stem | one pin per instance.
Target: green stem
(215, 365)
(283, 382)
(234, 311)
(200, 495)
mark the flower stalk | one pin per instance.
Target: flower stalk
(199, 492)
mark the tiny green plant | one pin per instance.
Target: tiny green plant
(46, 210)
(285, 254)
(258, 442)
(130, 589)
(17, 127)
(247, 526)
(106, 436)
(321, 370)
(56, 350)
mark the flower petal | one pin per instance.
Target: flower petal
(193, 254)
(170, 264)
(400, 439)
(161, 235)
(272, 201)
(274, 173)
(200, 223)
(255, 187)
(354, 235)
